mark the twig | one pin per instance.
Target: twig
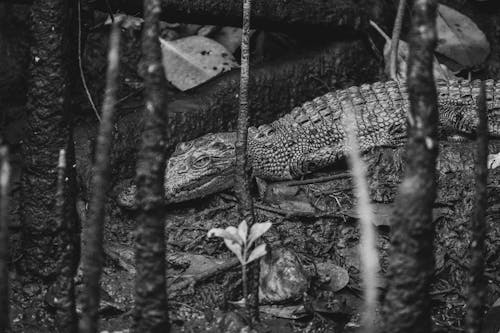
(64, 286)
(92, 259)
(316, 180)
(80, 65)
(173, 290)
(396, 33)
(368, 251)
(285, 213)
(4, 238)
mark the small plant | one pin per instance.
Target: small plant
(239, 241)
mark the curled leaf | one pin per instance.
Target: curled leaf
(230, 233)
(258, 252)
(257, 230)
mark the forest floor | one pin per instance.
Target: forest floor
(324, 243)
(329, 242)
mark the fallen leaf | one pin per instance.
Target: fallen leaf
(193, 60)
(459, 38)
(440, 71)
(337, 276)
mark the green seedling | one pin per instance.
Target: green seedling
(240, 241)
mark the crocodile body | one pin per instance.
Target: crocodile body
(313, 135)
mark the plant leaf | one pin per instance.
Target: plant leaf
(243, 231)
(225, 233)
(235, 248)
(193, 60)
(258, 252)
(459, 38)
(257, 230)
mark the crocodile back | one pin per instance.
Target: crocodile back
(313, 135)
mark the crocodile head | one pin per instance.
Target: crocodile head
(197, 168)
(201, 167)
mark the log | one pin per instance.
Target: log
(272, 15)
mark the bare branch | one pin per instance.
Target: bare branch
(93, 254)
(151, 312)
(4, 238)
(408, 304)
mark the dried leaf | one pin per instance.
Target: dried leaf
(337, 276)
(193, 60)
(459, 38)
(440, 70)
(258, 252)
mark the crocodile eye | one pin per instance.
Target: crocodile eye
(201, 162)
(182, 147)
(221, 146)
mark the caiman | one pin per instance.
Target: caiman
(313, 135)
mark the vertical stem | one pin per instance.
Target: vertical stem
(64, 286)
(242, 185)
(93, 254)
(368, 250)
(151, 310)
(4, 239)
(411, 264)
(396, 33)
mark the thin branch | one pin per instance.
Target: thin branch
(407, 305)
(80, 65)
(477, 282)
(396, 34)
(64, 286)
(368, 251)
(4, 238)
(92, 260)
(242, 182)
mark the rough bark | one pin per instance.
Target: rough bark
(150, 312)
(48, 131)
(4, 239)
(408, 304)
(477, 281)
(93, 253)
(275, 15)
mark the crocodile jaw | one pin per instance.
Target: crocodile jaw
(201, 188)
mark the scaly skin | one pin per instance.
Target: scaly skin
(313, 135)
